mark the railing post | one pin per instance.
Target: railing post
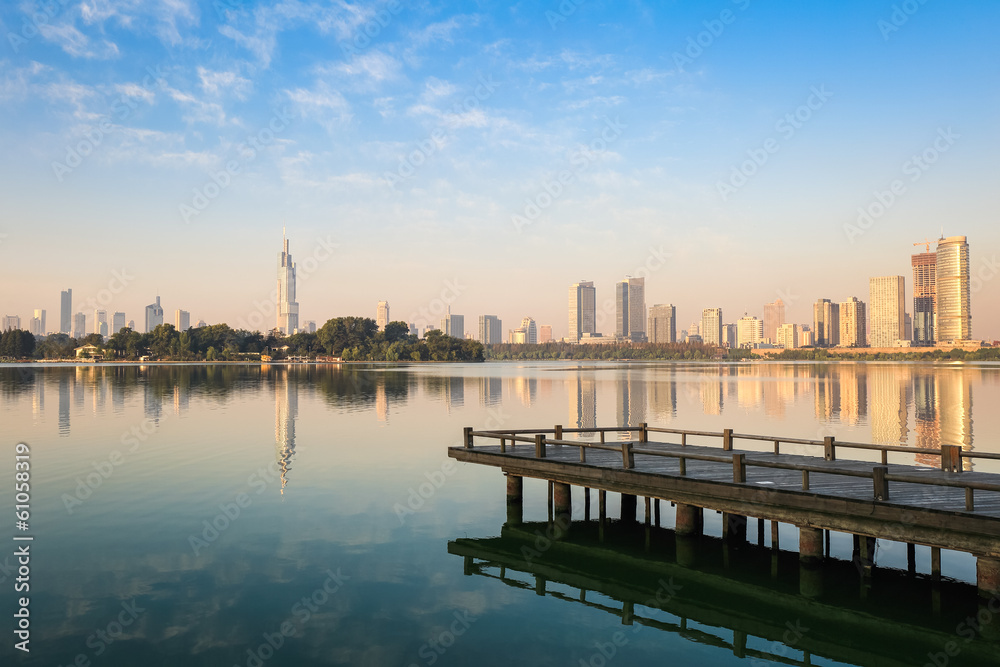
(540, 446)
(683, 466)
(558, 433)
(970, 501)
(643, 433)
(951, 458)
(880, 482)
(628, 458)
(739, 468)
(468, 437)
(727, 439)
(829, 451)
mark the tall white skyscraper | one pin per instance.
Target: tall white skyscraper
(182, 320)
(582, 310)
(154, 315)
(382, 315)
(711, 326)
(66, 311)
(953, 305)
(662, 324)
(887, 306)
(288, 307)
(530, 331)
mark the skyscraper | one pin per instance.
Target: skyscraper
(382, 315)
(630, 314)
(749, 331)
(662, 324)
(887, 300)
(288, 307)
(853, 323)
(117, 322)
(545, 333)
(101, 322)
(530, 331)
(787, 336)
(774, 317)
(953, 319)
(711, 326)
(826, 323)
(819, 321)
(453, 325)
(182, 320)
(154, 315)
(924, 297)
(490, 330)
(79, 325)
(66, 311)
(582, 310)
(37, 327)
(11, 322)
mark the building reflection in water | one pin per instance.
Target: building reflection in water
(630, 404)
(526, 389)
(712, 397)
(381, 401)
(890, 388)
(954, 408)
(65, 401)
(583, 402)
(491, 390)
(663, 398)
(286, 410)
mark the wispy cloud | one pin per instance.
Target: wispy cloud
(67, 37)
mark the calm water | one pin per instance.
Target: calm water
(186, 515)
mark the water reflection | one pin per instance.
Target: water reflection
(286, 409)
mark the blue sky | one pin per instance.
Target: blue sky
(489, 155)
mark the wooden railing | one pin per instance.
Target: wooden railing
(951, 455)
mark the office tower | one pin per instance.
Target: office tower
(37, 327)
(907, 326)
(545, 333)
(154, 315)
(662, 323)
(853, 323)
(131, 325)
(382, 315)
(887, 301)
(530, 331)
(413, 329)
(490, 330)
(582, 310)
(309, 326)
(826, 323)
(711, 326)
(953, 307)
(288, 307)
(774, 317)
(749, 331)
(807, 337)
(182, 320)
(66, 311)
(11, 322)
(787, 336)
(924, 296)
(117, 322)
(630, 314)
(729, 334)
(79, 325)
(101, 322)
(453, 325)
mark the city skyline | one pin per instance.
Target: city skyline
(502, 102)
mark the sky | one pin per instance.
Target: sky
(485, 156)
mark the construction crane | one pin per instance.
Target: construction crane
(924, 242)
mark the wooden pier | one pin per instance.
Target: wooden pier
(942, 508)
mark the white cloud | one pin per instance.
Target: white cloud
(216, 83)
(374, 65)
(76, 44)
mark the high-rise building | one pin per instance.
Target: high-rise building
(807, 337)
(853, 323)
(101, 322)
(37, 327)
(887, 302)
(413, 329)
(288, 307)
(953, 313)
(453, 325)
(662, 323)
(530, 331)
(729, 334)
(130, 324)
(774, 317)
(309, 326)
(490, 330)
(382, 315)
(582, 310)
(924, 297)
(182, 320)
(826, 323)
(117, 322)
(711, 326)
(545, 333)
(79, 325)
(630, 314)
(11, 322)
(787, 336)
(749, 331)
(154, 315)
(66, 311)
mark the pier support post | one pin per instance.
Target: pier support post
(586, 504)
(629, 505)
(686, 549)
(515, 499)
(864, 554)
(602, 502)
(988, 576)
(936, 563)
(810, 544)
(690, 520)
(911, 559)
(562, 501)
(734, 528)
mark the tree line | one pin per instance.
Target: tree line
(350, 338)
(636, 351)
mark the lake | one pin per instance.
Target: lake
(309, 515)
